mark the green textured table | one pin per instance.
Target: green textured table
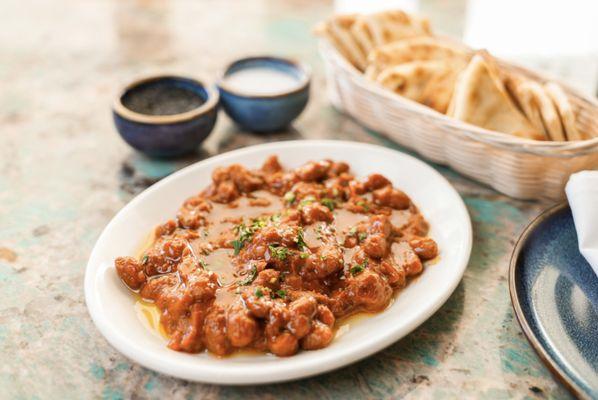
(65, 173)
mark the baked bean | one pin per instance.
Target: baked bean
(319, 337)
(391, 197)
(130, 271)
(375, 181)
(313, 171)
(315, 212)
(241, 328)
(283, 345)
(424, 247)
(213, 329)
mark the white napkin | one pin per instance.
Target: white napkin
(582, 192)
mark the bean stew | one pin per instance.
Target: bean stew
(270, 259)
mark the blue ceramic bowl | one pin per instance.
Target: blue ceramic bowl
(167, 135)
(265, 112)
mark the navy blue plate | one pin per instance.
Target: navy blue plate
(554, 292)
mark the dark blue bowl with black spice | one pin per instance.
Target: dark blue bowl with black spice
(166, 115)
(264, 94)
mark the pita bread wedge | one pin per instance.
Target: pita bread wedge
(548, 112)
(338, 31)
(373, 30)
(523, 98)
(480, 99)
(430, 83)
(565, 110)
(422, 48)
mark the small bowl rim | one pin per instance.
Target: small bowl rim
(213, 97)
(300, 66)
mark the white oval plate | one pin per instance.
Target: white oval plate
(111, 305)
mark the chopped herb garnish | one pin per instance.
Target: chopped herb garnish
(144, 259)
(307, 200)
(245, 233)
(361, 236)
(249, 277)
(290, 197)
(328, 203)
(275, 218)
(363, 204)
(237, 245)
(278, 252)
(358, 268)
(258, 293)
(281, 293)
(257, 224)
(300, 240)
(353, 231)
(319, 231)
(304, 255)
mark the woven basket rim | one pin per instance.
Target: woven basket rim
(473, 132)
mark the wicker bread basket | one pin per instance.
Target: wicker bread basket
(520, 168)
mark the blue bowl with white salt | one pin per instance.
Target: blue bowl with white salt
(264, 94)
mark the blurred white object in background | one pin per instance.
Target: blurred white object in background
(582, 193)
(369, 6)
(557, 36)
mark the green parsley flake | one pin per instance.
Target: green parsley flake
(304, 255)
(300, 240)
(258, 293)
(362, 236)
(328, 203)
(257, 224)
(144, 259)
(364, 205)
(250, 277)
(245, 233)
(290, 197)
(307, 200)
(281, 293)
(358, 268)
(278, 252)
(353, 231)
(237, 245)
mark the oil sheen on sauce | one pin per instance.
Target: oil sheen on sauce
(221, 219)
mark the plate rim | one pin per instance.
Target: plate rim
(531, 337)
(336, 362)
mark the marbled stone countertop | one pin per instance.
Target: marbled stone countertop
(65, 173)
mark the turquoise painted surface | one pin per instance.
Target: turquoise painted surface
(65, 173)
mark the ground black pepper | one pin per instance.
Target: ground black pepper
(160, 99)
